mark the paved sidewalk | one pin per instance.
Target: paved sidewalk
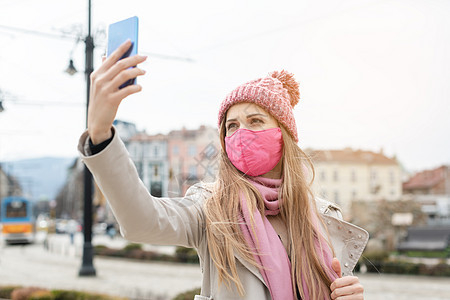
(32, 265)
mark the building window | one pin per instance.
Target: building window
(354, 193)
(192, 150)
(155, 151)
(335, 175)
(155, 170)
(144, 150)
(210, 171)
(373, 174)
(336, 197)
(175, 150)
(193, 171)
(322, 175)
(392, 176)
(210, 151)
(133, 151)
(353, 176)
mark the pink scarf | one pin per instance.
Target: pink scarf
(271, 253)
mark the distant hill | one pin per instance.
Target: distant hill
(40, 178)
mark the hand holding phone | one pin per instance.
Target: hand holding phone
(120, 32)
(105, 95)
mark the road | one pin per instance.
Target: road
(32, 265)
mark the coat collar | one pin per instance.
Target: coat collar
(254, 270)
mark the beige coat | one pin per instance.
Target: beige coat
(181, 221)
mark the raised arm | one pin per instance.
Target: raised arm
(142, 217)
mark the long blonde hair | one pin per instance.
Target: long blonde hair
(298, 211)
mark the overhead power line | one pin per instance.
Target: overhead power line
(41, 103)
(39, 33)
(76, 37)
(163, 56)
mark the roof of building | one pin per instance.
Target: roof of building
(182, 133)
(189, 133)
(426, 179)
(349, 155)
(143, 137)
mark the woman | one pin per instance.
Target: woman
(258, 230)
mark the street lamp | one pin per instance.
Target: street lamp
(71, 70)
(1, 102)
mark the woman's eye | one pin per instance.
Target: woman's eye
(253, 121)
(231, 126)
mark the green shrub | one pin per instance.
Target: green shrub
(64, 295)
(41, 295)
(441, 254)
(374, 256)
(5, 291)
(400, 267)
(35, 293)
(78, 295)
(100, 247)
(441, 269)
(186, 255)
(189, 295)
(23, 293)
(134, 251)
(110, 252)
(132, 246)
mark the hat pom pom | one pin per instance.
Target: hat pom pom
(289, 83)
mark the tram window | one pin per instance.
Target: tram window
(16, 209)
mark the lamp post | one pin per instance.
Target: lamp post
(87, 267)
(1, 102)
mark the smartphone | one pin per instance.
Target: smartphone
(118, 33)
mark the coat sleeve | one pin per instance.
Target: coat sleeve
(142, 217)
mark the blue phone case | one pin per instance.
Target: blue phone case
(118, 33)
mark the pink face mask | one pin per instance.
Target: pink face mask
(255, 152)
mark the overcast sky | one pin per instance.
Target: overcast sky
(373, 74)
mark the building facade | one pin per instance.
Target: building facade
(345, 176)
(169, 164)
(431, 189)
(9, 186)
(149, 153)
(192, 157)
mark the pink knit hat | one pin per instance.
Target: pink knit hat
(278, 94)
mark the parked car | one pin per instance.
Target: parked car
(99, 228)
(60, 226)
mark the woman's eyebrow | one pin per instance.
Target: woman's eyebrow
(248, 116)
(256, 114)
(231, 120)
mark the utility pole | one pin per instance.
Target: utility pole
(87, 267)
